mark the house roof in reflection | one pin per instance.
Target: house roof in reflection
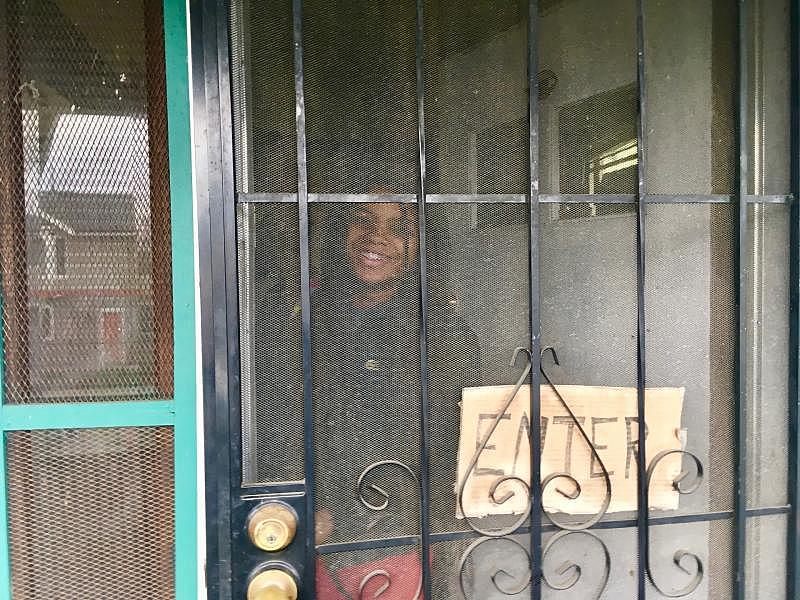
(95, 177)
(97, 154)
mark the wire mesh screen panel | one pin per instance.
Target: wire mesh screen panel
(269, 339)
(476, 90)
(262, 80)
(691, 336)
(766, 557)
(690, 53)
(588, 315)
(394, 573)
(365, 339)
(85, 242)
(91, 513)
(478, 314)
(360, 95)
(706, 551)
(587, 104)
(767, 392)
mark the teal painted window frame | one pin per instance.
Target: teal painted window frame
(178, 412)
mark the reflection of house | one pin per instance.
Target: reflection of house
(89, 257)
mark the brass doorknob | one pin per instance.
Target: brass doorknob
(273, 584)
(272, 526)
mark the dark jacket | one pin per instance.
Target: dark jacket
(367, 409)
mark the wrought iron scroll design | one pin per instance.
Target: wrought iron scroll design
(510, 493)
(564, 475)
(387, 583)
(382, 505)
(503, 581)
(567, 528)
(681, 556)
(378, 490)
(573, 570)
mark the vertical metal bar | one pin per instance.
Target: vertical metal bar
(793, 528)
(183, 358)
(535, 311)
(305, 299)
(5, 554)
(424, 475)
(643, 504)
(740, 400)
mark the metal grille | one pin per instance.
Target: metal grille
(587, 124)
(85, 243)
(366, 368)
(476, 85)
(690, 151)
(262, 80)
(768, 362)
(668, 264)
(478, 313)
(360, 96)
(691, 333)
(271, 353)
(91, 513)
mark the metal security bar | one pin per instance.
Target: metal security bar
(644, 200)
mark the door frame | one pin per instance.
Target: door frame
(216, 196)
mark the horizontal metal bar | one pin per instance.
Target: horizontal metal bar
(87, 415)
(267, 489)
(267, 198)
(476, 198)
(244, 198)
(548, 527)
(361, 198)
(409, 540)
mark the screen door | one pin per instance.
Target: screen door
(512, 299)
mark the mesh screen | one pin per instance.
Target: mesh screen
(767, 346)
(712, 542)
(391, 573)
(91, 513)
(587, 117)
(766, 564)
(690, 53)
(691, 333)
(270, 346)
(262, 80)
(476, 94)
(478, 314)
(360, 94)
(479, 565)
(588, 296)
(85, 241)
(365, 338)
(769, 100)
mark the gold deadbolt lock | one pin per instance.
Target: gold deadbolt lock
(272, 526)
(272, 584)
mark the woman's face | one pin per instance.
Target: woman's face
(381, 241)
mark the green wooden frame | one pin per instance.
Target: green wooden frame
(179, 412)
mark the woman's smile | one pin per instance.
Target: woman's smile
(381, 243)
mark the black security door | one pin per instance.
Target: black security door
(432, 232)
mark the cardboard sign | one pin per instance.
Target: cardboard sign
(609, 417)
